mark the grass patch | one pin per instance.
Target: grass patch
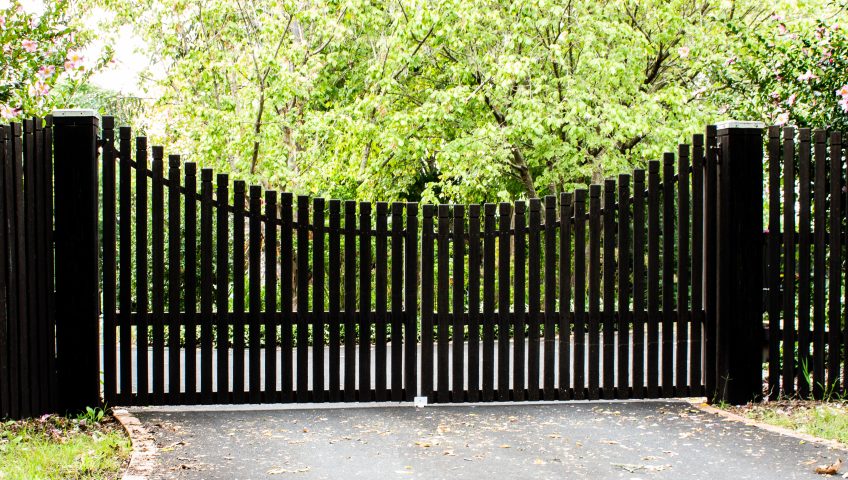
(821, 419)
(53, 447)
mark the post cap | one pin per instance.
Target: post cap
(76, 116)
(728, 124)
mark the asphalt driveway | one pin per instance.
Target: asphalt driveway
(599, 440)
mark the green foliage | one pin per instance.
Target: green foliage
(794, 70)
(41, 66)
(92, 415)
(440, 100)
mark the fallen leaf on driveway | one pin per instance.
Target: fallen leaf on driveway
(832, 469)
(279, 471)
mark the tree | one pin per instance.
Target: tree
(795, 70)
(444, 100)
(41, 51)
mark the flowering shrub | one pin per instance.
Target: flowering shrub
(790, 72)
(41, 65)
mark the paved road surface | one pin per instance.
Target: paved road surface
(599, 440)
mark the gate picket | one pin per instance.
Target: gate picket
(222, 289)
(239, 319)
(190, 282)
(411, 303)
(565, 317)
(365, 301)
(667, 386)
(141, 269)
(270, 344)
(549, 369)
(458, 279)
(697, 311)
(174, 271)
(474, 303)
(206, 249)
(534, 300)
(803, 257)
(380, 303)
(427, 298)
(124, 255)
(504, 240)
(835, 265)
(158, 269)
(302, 368)
(334, 292)
(109, 268)
(609, 218)
(683, 316)
(519, 302)
(580, 293)
(488, 302)
(318, 328)
(396, 317)
(443, 277)
(349, 301)
(638, 283)
(624, 270)
(653, 277)
(594, 290)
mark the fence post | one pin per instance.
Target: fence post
(76, 258)
(739, 282)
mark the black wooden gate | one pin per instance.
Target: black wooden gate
(213, 291)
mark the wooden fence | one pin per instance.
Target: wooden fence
(214, 291)
(27, 361)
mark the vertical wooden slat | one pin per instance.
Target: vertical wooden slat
(141, 269)
(397, 302)
(804, 222)
(609, 264)
(5, 391)
(580, 294)
(286, 296)
(683, 312)
(410, 372)
(190, 282)
(710, 260)
(254, 276)
(13, 133)
(442, 300)
(109, 267)
(427, 299)
(350, 301)
(549, 371)
(697, 319)
(22, 270)
(270, 343)
(124, 256)
(668, 275)
(334, 292)
(594, 290)
(45, 346)
(222, 288)
(773, 247)
(239, 319)
(534, 299)
(206, 249)
(53, 390)
(365, 301)
(653, 277)
(519, 299)
(534, 303)
(380, 303)
(834, 280)
(458, 297)
(174, 279)
(28, 230)
(157, 236)
(474, 273)
(302, 369)
(317, 297)
(489, 302)
(638, 283)
(819, 192)
(789, 250)
(504, 240)
(624, 269)
(565, 220)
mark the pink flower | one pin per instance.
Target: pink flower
(46, 71)
(843, 91)
(844, 104)
(730, 61)
(73, 62)
(39, 89)
(683, 52)
(791, 100)
(29, 45)
(807, 76)
(781, 28)
(2, 22)
(782, 119)
(8, 112)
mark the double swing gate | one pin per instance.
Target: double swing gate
(216, 292)
(134, 279)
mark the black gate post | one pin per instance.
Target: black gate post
(739, 282)
(76, 258)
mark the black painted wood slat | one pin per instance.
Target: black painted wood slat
(519, 304)
(625, 318)
(396, 317)
(157, 258)
(668, 283)
(504, 240)
(302, 369)
(653, 278)
(174, 278)
(534, 299)
(566, 210)
(804, 236)
(427, 299)
(488, 393)
(474, 317)
(365, 301)
(458, 298)
(334, 293)
(550, 318)
(239, 189)
(190, 284)
(609, 264)
(442, 301)
(638, 380)
(206, 300)
(580, 294)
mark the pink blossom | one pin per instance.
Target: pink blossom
(791, 100)
(46, 71)
(781, 28)
(843, 91)
(844, 104)
(730, 61)
(29, 45)
(782, 119)
(776, 17)
(683, 52)
(73, 62)
(807, 76)
(2, 22)
(39, 89)
(8, 112)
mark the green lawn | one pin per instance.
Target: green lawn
(53, 447)
(822, 419)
